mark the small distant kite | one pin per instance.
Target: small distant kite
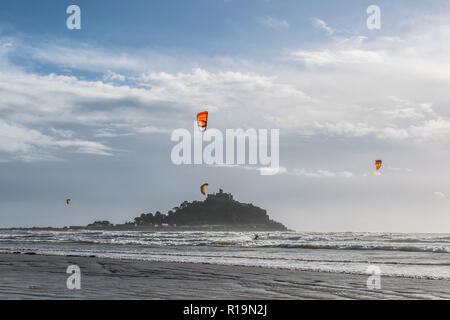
(202, 120)
(378, 164)
(67, 201)
(202, 188)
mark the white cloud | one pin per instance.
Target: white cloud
(322, 173)
(322, 25)
(110, 133)
(89, 58)
(152, 129)
(431, 129)
(67, 100)
(392, 89)
(392, 133)
(113, 76)
(63, 133)
(228, 91)
(387, 88)
(30, 144)
(343, 128)
(262, 170)
(439, 194)
(332, 57)
(405, 170)
(274, 23)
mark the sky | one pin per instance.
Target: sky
(88, 114)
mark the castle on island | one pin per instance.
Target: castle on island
(218, 212)
(219, 196)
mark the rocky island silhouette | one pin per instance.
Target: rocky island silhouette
(218, 212)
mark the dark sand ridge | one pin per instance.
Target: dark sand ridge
(25, 276)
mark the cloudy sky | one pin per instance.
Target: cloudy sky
(88, 114)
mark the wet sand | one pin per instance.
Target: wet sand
(24, 276)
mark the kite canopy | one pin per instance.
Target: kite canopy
(202, 188)
(378, 164)
(67, 201)
(202, 120)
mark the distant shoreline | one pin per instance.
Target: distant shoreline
(212, 228)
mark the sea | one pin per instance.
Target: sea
(409, 255)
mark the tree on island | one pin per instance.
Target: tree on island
(101, 224)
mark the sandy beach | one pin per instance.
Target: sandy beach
(28, 276)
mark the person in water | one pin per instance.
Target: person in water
(256, 237)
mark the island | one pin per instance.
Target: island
(218, 212)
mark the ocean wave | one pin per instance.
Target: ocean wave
(362, 247)
(234, 242)
(326, 268)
